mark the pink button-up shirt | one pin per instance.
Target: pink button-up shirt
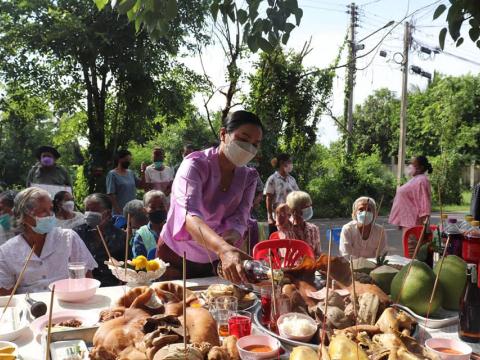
(196, 191)
(412, 201)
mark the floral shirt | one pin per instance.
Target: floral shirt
(310, 234)
(280, 187)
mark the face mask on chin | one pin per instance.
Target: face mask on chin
(125, 164)
(6, 222)
(365, 217)
(158, 164)
(239, 153)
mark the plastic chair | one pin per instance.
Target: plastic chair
(336, 231)
(417, 232)
(274, 236)
(285, 252)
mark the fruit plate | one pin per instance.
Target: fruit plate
(440, 319)
(288, 344)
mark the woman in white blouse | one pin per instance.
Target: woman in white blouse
(361, 237)
(64, 209)
(54, 247)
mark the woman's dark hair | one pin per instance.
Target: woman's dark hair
(120, 155)
(57, 199)
(424, 163)
(241, 117)
(279, 159)
(103, 199)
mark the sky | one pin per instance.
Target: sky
(326, 23)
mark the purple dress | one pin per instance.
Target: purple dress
(196, 191)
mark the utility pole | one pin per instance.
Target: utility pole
(403, 108)
(352, 63)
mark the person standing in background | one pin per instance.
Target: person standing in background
(278, 186)
(412, 203)
(46, 171)
(7, 220)
(158, 176)
(63, 207)
(122, 183)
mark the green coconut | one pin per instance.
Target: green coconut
(452, 280)
(417, 289)
(363, 265)
(383, 277)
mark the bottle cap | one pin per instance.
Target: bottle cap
(468, 217)
(452, 221)
(444, 216)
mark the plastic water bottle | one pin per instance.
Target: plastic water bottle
(456, 238)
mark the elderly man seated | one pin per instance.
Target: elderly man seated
(361, 237)
(53, 247)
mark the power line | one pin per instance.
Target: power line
(322, 8)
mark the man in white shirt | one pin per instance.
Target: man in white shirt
(158, 176)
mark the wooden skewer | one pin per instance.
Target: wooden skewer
(19, 280)
(127, 239)
(379, 242)
(49, 328)
(184, 263)
(417, 247)
(328, 287)
(435, 284)
(273, 282)
(105, 244)
(354, 300)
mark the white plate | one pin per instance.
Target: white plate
(440, 319)
(87, 317)
(14, 323)
(58, 349)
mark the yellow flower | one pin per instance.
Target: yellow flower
(140, 262)
(152, 265)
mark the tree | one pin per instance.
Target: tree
(259, 32)
(85, 60)
(460, 11)
(289, 103)
(376, 125)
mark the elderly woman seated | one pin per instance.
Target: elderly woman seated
(291, 220)
(146, 237)
(53, 247)
(361, 237)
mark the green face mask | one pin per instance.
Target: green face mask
(158, 164)
(5, 222)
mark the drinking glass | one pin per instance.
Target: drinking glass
(266, 302)
(76, 270)
(240, 323)
(223, 306)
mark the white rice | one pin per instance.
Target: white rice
(297, 326)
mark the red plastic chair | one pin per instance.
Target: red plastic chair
(274, 236)
(417, 232)
(294, 250)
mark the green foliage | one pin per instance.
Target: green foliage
(80, 187)
(445, 179)
(344, 180)
(289, 102)
(460, 11)
(259, 32)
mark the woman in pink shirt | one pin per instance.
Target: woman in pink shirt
(211, 198)
(412, 202)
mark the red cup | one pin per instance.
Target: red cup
(240, 324)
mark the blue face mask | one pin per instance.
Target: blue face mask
(364, 217)
(44, 224)
(158, 164)
(307, 213)
(5, 222)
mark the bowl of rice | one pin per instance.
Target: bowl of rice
(297, 326)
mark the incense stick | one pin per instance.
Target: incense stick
(435, 284)
(110, 259)
(20, 277)
(354, 300)
(379, 242)
(184, 265)
(273, 282)
(49, 328)
(127, 239)
(328, 287)
(417, 247)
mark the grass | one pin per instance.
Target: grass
(464, 207)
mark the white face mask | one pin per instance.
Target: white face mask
(307, 213)
(364, 217)
(68, 206)
(289, 168)
(239, 152)
(411, 170)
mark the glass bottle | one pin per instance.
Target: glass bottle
(471, 243)
(456, 238)
(258, 272)
(469, 326)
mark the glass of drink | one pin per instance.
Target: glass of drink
(282, 306)
(266, 303)
(76, 270)
(240, 324)
(223, 307)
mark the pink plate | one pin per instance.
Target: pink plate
(75, 290)
(88, 318)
